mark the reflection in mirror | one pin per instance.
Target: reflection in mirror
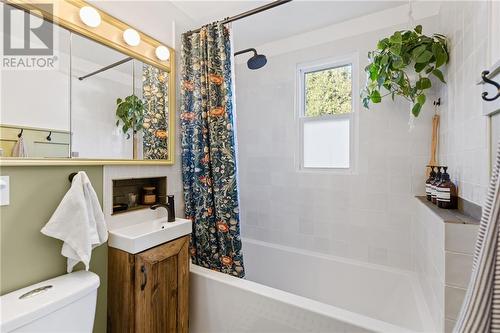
(119, 105)
(35, 100)
(93, 100)
(154, 89)
(94, 103)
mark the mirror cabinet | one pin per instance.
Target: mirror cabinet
(102, 101)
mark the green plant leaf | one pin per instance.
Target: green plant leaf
(424, 57)
(418, 51)
(396, 38)
(423, 83)
(421, 99)
(384, 60)
(416, 109)
(419, 67)
(398, 63)
(366, 102)
(440, 55)
(382, 44)
(395, 49)
(375, 96)
(394, 61)
(437, 73)
(131, 112)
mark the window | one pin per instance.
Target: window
(327, 114)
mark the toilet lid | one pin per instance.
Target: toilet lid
(25, 305)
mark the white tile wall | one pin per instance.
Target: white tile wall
(458, 269)
(464, 131)
(430, 259)
(366, 216)
(443, 263)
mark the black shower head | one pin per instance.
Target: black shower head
(256, 61)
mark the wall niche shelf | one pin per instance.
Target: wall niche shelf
(123, 189)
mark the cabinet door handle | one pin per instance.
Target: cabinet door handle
(145, 275)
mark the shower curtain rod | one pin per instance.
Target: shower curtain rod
(106, 68)
(227, 20)
(249, 13)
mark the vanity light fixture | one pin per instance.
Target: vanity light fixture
(162, 53)
(131, 37)
(90, 16)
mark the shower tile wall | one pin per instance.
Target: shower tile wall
(464, 130)
(443, 263)
(366, 216)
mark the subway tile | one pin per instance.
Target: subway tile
(453, 301)
(458, 269)
(460, 237)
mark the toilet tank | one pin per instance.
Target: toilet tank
(62, 304)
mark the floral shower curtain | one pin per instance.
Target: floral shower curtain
(209, 149)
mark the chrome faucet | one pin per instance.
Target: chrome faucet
(169, 206)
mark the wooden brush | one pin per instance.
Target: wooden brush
(435, 137)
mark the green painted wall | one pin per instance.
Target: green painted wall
(26, 255)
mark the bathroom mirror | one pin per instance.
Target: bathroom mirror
(35, 104)
(100, 102)
(99, 77)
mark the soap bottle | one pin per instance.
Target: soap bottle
(428, 183)
(434, 184)
(446, 192)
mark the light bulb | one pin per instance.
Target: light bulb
(90, 16)
(162, 53)
(131, 37)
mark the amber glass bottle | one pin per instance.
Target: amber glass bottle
(446, 192)
(428, 183)
(434, 184)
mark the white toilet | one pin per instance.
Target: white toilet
(63, 304)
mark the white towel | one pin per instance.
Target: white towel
(79, 222)
(19, 149)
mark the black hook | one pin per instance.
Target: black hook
(484, 95)
(49, 137)
(437, 102)
(71, 176)
(20, 133)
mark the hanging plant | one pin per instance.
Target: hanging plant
(131, 113)
(401, 66)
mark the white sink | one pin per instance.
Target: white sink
(142, 236)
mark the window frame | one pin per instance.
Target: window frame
(319, 65)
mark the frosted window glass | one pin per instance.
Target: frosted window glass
(326, 143)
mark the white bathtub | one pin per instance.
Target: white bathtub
(290, 290)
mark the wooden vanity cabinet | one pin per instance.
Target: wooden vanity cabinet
(149, 291)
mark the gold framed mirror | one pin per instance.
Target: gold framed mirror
(120, 92)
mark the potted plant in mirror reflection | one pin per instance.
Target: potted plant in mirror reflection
(402, 66)
(130, 114)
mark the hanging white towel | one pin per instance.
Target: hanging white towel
(19, 149)
(79, 222)
(481, 307)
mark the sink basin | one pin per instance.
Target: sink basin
(142, 236)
